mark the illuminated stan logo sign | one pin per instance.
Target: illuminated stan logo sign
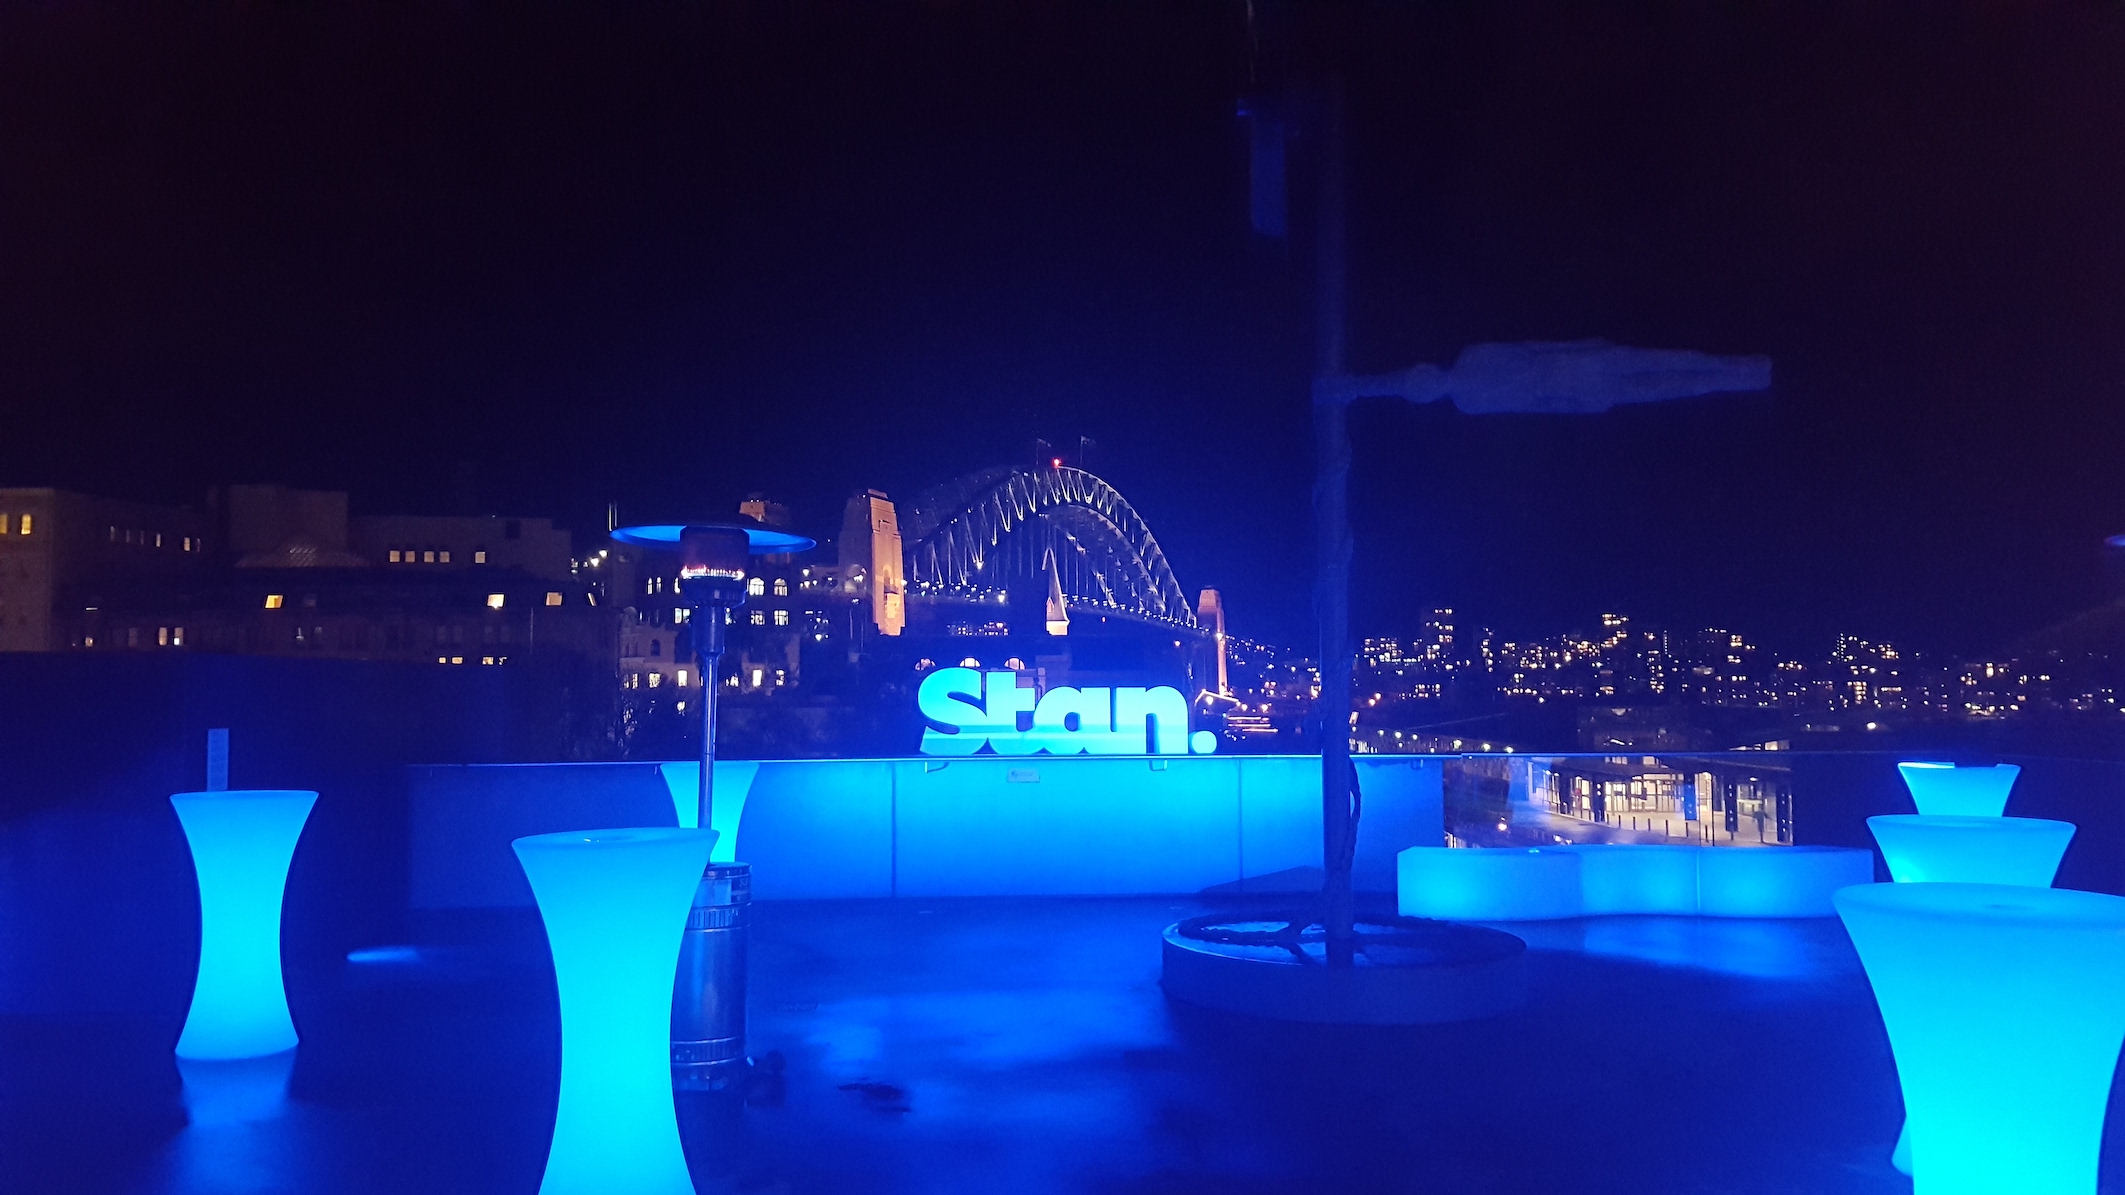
(976, 709)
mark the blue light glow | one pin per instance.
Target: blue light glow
(2002, 1006)
(241, 843)
(615, 904)
(1488, 884)
(1521, 884)
(1943, 788)
(1638, 878)
(1922, 848)
(734, 779)
(968, 709)
(1781, 881)
(758, 540)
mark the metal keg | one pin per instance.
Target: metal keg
(708, 996)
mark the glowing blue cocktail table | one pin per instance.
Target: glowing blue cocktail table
(615, 905)
(241, 842)
(1942, 849)
(2005, 1008)
(1943, 788)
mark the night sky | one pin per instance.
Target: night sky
(669, 254)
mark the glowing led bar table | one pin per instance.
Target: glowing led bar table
(1943, 788)
(1935, 848)
(241, 842)
(2005, 1008)
(615, 904)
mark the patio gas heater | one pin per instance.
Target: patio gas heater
(708, 992)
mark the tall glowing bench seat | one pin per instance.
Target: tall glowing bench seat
(242, 841)
(1949, 791)
(1488, 883)
(1637, 878)
(2005, 1008)
(615, 904)
(1945, 849)
(1781, 881)
(1542, 883)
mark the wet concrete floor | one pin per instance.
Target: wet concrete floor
(1020, 1046)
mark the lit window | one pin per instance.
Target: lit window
(23, 528)
(655, 678)
(479, 556)
(486, 659)
(781, 587)
(273, 601)
(162, 636)
(781, 618)
(552, 598)
(759, 618)
(494, 601)
(158, 539)
(682, 678)
(428, 558)
(176, 636)
(1017, 665)
(925, 664)
(442, 659)
(970, 662)
(4, 524)
(457, 659)
(759, 677)
(394, 555)
(443, 557)
(755, 586)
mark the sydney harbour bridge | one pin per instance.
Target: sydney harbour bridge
(1043, 561)
(1001, 532)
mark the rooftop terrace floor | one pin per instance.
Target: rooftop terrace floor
(1025, 1046)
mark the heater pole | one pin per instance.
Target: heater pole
(708, 640)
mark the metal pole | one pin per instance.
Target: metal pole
(708, 635)
(1331, 506)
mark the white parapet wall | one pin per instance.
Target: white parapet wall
(974, 826)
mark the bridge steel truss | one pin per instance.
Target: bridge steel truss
(972, 539)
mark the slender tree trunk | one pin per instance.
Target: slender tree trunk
(1331, 503)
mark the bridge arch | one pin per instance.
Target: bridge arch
(977, 537)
